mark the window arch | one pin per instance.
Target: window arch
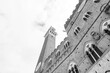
(66, 44)
(72, 68)
(93, 52)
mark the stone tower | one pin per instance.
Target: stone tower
(48, 47)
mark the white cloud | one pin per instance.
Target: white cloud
(21, 37)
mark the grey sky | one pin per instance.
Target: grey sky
(23, 24)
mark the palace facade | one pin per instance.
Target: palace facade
(86, 49)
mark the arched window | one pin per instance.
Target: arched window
(72, 68)
(77, 30)
(57, 54)
(93, 52)
(66, 44)
(97, 50)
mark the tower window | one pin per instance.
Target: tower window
(76, 69)
(57, 54)
(49, 62)
(78, 28)
(85, 19)
(89, 13)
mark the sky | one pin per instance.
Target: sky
(23, 24)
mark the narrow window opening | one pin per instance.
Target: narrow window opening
(89, 13)
(87, 16)
(75, 34)
(94, 54)
(76, 31)
(90, 57)
(68, 43)
(78, 28)
(72, 69)
(97, 50)
(76, 69)
(85, 19)
(69, 71)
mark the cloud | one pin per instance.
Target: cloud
(20, 40)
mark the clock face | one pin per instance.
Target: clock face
(38, 66)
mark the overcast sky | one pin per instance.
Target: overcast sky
(23, 24)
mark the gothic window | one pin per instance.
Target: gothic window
(72, 68)
(97, 50)
(93, 52)
(90, 57)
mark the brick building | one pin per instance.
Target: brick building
(86, 49)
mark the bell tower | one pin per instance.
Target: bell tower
(47, 49)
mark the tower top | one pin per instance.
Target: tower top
(51, 31)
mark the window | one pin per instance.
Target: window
(93, 52)
(97, 50)
(106, 27)
(95, 35)
(86, 16)
(73, 68)
(96, 1)
(76, 30)
(57, 54)
(107, 10)
(66, 45)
